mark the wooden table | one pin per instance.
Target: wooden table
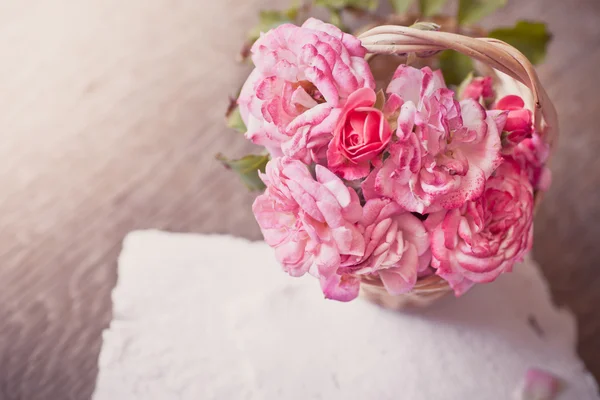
(111, 113)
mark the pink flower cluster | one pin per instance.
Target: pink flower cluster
(394, 185)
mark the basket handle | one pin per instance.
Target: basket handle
(395, 39)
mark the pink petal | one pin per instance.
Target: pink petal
(301, 98)
(406, 120)
(540, 385)
(499, 117)
(518, 120)
(471, 187)
(406, 83)
(334, 184)
(414, 231)
(458, 283)
(327, 260)
(340, 288)
(393, 103)
(292, 255)
(510, 102)
(363, 97)
(352, 172)
(312, 117)
(402, 277)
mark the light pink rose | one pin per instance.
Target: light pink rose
(479, 88)
(518, 125)
(310, 222)
(445, 150)
(397, 245)
(396, 250)
(485, 237)
(361, 134)
(290, 102)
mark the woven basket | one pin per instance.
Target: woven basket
(512, 73)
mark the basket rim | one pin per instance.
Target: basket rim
(430, 283)
(499, 55)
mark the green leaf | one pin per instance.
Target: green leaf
(431, 7)
(370, 5)
(269, 19)
(471, 11)
(292, 12)
(234, 120)
(455, 66)
(531, 38)
(426, 26)
(247, 168)
(335, 18)
(401, 6)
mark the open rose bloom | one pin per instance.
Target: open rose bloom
(387, 186)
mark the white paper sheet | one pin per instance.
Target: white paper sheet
(213, 317)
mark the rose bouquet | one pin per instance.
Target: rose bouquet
(412, 189)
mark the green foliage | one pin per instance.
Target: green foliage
(431, 7)
(471, 11)
(336, 7)
(335, 18)
(247, 168)
(455, 67)
(234, 120)
(426, 26)
(269, 19)
(370, 5)
(531, 38)
(401, 6)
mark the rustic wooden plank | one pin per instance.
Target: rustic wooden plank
(111, 115)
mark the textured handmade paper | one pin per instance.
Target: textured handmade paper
(213, 317)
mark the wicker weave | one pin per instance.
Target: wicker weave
(510, 67)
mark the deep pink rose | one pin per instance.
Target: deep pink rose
(479, 88)
(485, 237)
(445, 150)
(310, 222)
(361, 134)
(531, 154)
(290, 102)
(519, 123)
(522, 144)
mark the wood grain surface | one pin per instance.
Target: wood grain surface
(110, 114)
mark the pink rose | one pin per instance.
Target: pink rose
(310, 222)
(531, 154)
(445, 150)
(396, 251)
(479, 88)
(303, 74)
(397, 245)
(522, 144)
(361, 134)
(519, 123)
(485, 237)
